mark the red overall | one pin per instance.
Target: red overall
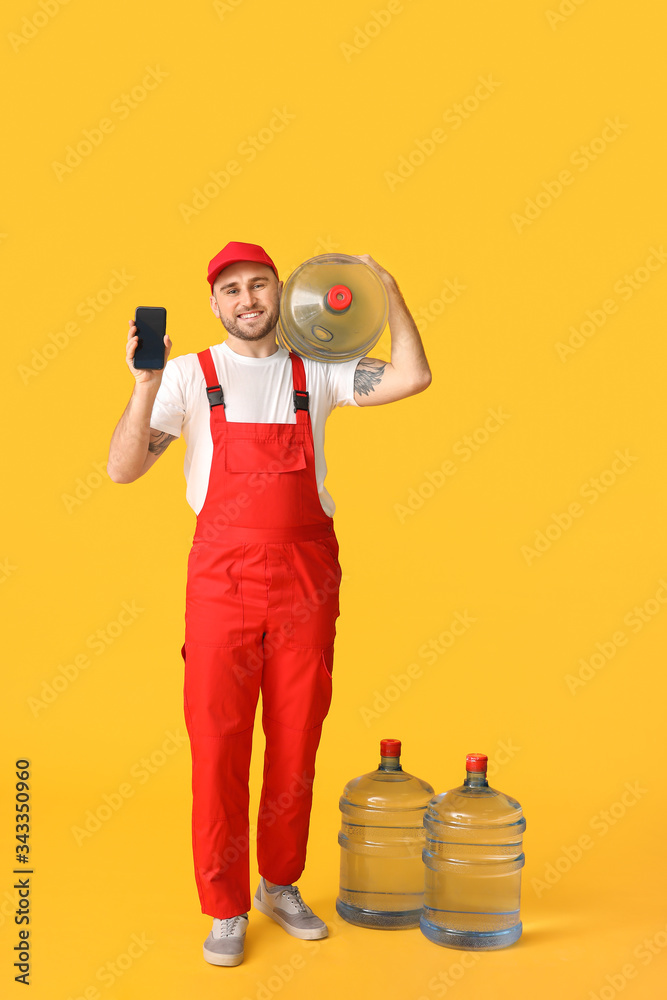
(261, 609)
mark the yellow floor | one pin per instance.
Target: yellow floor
(117, 915)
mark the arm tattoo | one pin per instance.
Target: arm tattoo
(368, 375)
(159, 441)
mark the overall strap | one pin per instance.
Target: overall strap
(213, 387)
(299, 394)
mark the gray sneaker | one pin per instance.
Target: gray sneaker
(285, 905)
(224, 945)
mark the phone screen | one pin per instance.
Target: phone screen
(151, 323)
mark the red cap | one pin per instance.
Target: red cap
(234, 253)
(390, 748)
(476, 762)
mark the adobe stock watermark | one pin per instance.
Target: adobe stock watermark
(141, 771)
(503, 752)
(430, 652)
(7, 569)
(121, 108)
(364, 34)
(453, 117)
(464, 449)
(430, 313)
(247, 150)
(283, 973)
(615, 982)
(625, 287)
(564, 11)
(450, 292)
(600, 824)
(228, 512)
(605, 651)
(88, 310)
(111, 971)
(302, 613)
(98, 642)
(9, 905)
(85, 487)
(591, 491)
(224, 7)
(447, 979)
(324, 244)
(581, 158)
(36, 22)
(271, 810)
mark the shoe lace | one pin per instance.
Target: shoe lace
(227, 925)
(295, 895)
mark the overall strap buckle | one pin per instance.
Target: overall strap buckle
(215, 397)
(300, 400)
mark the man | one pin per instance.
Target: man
(263, 572)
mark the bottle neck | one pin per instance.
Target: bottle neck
(390, 764)
(476, 779)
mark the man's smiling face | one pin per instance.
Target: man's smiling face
(246, 299)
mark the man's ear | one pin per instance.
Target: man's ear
(214, 306)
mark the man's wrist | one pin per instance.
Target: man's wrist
(148, 388)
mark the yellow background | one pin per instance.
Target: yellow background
(361, 98)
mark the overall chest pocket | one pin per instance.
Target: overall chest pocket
(266, 457)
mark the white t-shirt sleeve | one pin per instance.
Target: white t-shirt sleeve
(341, 383)
(168, 411)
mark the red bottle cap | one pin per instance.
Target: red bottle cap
(476, 762)
(339, 298)
(390, 748)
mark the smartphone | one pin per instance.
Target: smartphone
(151, 323)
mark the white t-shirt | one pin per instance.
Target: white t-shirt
(256, 390)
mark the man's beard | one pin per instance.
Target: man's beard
(265, 327)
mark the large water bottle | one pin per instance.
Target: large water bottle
(473, 857)
(333, 308)
(381, 840)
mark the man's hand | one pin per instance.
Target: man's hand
(408, 372)
(384, 275)
(135, 445)
(144, 375)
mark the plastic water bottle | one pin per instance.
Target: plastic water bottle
(333, 308)
(473, 857)
(381, 839)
